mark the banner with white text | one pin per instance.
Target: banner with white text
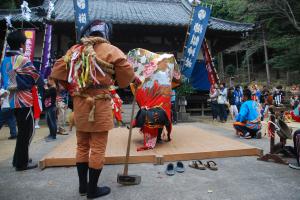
(193, 44)
(81, 9)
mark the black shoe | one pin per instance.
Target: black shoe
(93, 190)
(50, 138)
(29, 166)
(170, 171)
(82, 169)
(179, 167)
(12, 137)
(159, 141)
(258, 135)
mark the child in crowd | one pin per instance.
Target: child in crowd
(238, 96)
(62, 106)
(256, 94)
(266, 100)
(116, 102)
(213, 94)
(233, 108)
(222, 100)
(278, 96)
(50, 108)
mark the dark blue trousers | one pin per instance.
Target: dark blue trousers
(7, 116)
(51, 121)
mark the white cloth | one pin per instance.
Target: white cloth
(4, 100)
(222, 98)
(234, 111)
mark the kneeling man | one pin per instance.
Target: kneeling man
(248, 124)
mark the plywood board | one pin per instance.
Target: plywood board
(188, 143)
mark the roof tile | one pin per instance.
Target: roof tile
(144, 12)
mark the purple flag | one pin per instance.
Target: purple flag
(46, 68)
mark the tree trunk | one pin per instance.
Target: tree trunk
(266, 58)
(237, 60)
(248, 67)
(277, 74)
(288, 77)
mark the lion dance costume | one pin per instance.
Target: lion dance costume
(157, 73)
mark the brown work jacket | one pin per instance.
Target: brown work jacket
(124, 75)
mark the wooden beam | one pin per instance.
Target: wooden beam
(188, 143)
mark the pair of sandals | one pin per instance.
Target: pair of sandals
(197, 164)
(171, 169)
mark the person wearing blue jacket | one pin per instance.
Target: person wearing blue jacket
(238, 95)
(248, 124)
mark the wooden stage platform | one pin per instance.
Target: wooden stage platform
(188, 143)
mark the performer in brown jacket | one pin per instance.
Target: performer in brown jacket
(87, 70)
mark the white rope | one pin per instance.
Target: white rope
(98, 67)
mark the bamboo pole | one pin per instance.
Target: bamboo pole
(4, 45)
(188, 29)
(41, 64)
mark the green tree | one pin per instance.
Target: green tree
(280, 21)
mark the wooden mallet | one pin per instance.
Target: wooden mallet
(125, 179)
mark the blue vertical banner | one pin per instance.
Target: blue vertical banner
(81, 13)
(197, 31)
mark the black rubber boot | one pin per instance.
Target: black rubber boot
(93, 190)
(82, 169)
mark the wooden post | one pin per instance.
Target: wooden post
(221, 66)
(266, 58)
(248, 67)
(202, 108)
(237, 60)
(288, 76)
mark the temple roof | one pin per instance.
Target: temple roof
(140, 12)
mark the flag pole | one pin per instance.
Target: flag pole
(4, 44)
(188, 29)
(42, 56)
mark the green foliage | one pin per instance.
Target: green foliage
(231, 10)
(280, 20)
(286, 52)
(185, 89)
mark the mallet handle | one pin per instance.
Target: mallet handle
(125, 173)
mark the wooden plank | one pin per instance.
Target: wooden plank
(188, 143)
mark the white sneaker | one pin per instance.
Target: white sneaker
(37, 127)
(294, 166)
